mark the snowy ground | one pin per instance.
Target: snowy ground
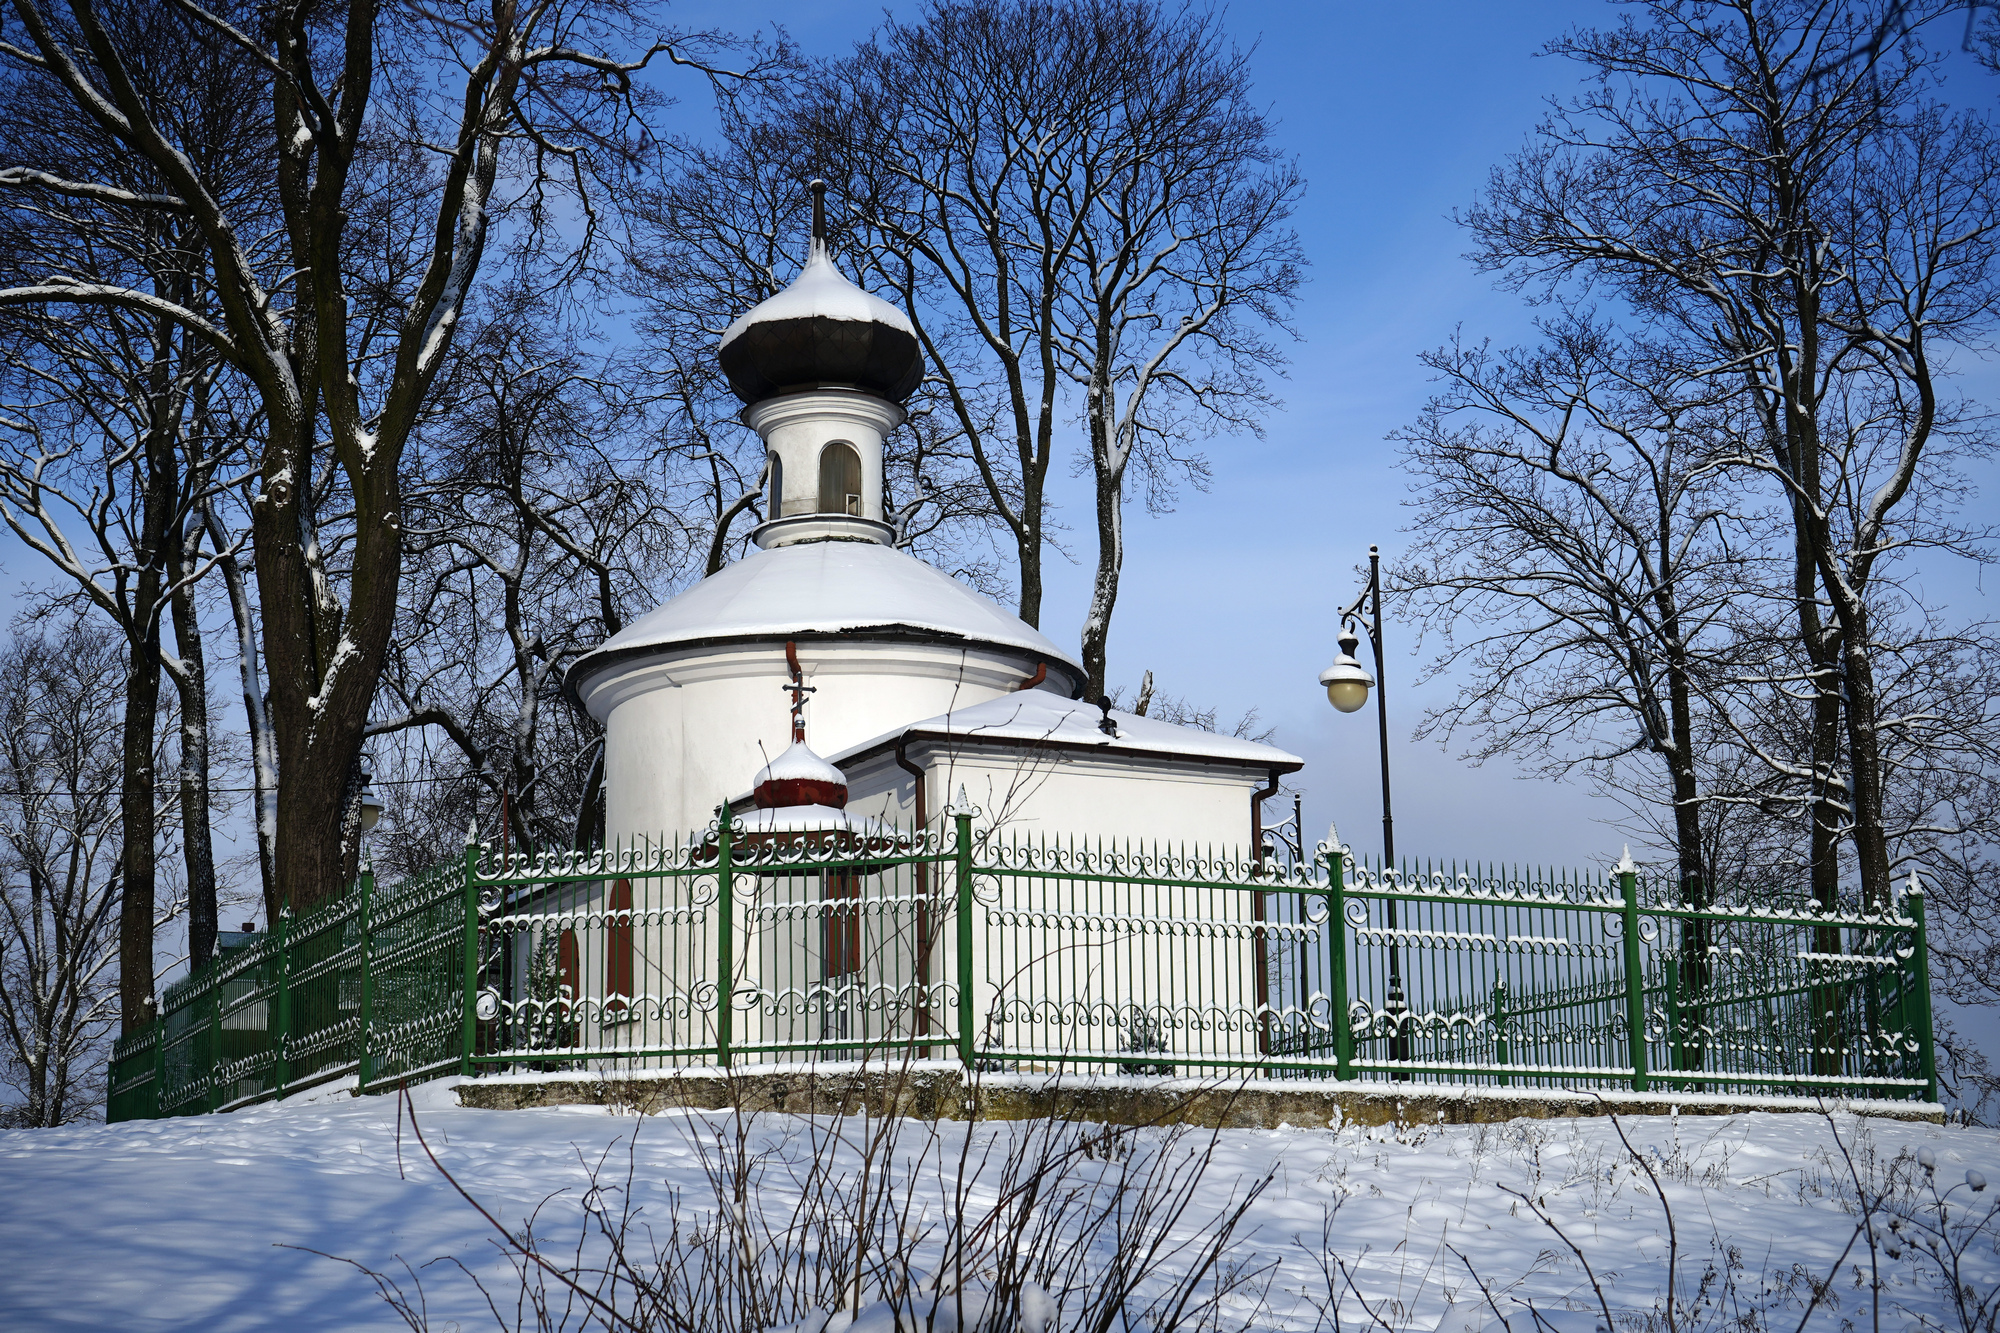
(189, 1223)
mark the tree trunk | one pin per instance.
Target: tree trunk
(192, 684)
(263, 756)
(136, 857)
(137, 795)
(1110, 539)
(1826, 812)
(350, 825)
(323, 664)
(1864, 758)
(1697, 936)
(1028, 553)
(589, 834)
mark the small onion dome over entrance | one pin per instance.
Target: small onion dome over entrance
(800, 777)
(822, 330)
(801, 815)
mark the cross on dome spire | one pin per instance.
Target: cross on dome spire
(798, 689)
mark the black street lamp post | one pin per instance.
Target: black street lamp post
(1347, 686)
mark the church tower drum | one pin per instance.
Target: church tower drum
(823, 369)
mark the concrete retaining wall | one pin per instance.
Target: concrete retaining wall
(940, 1089)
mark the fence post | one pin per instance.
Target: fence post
(159, 1061)
(281, 1003)
(1500, 1052)
(1635, 976)
(365, 1065)
(725, 941)
(469, 1026)
(962, 818)
(212, 1099)
(1920, 982)
(1336, 929)
(1670, 971)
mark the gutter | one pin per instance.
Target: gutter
(1257, 800)
(918, 772)
(1060, 747)
(923, 889)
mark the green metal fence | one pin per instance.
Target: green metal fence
(965, 944)
(1526, 979)
(367, 985)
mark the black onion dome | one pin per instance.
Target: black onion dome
(822, 330)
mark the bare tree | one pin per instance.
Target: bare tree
(1820, 236)
(1084, 214)
(114, 432)
(1577, 551)
(536, 510)
(61, 754)
(468, 119)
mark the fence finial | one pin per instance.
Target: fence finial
(472, 832)
(1625, 866)
(1916, 885)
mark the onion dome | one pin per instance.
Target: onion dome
(822, 330)
(800, 777)
(801, 804)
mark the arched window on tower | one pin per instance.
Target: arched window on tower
(777, 509)
(839, 479)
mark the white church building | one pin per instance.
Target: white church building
(830, 681)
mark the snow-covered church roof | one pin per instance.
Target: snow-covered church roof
(832, 587)
(1037, 717)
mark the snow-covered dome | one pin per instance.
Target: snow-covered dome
(802, 801)
(822, 330)
(799, 777)
(846, 588)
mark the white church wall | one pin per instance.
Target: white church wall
(1060, 964)
(685, 731)
(1034, 794)
(1059, 961)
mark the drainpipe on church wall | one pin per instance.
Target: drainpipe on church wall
(923, 886)
(1257, 800)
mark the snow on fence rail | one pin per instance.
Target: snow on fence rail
(1037, 956)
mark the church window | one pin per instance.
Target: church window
(843, 925)
(618, 949)
(777, 488)
(839, 479)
